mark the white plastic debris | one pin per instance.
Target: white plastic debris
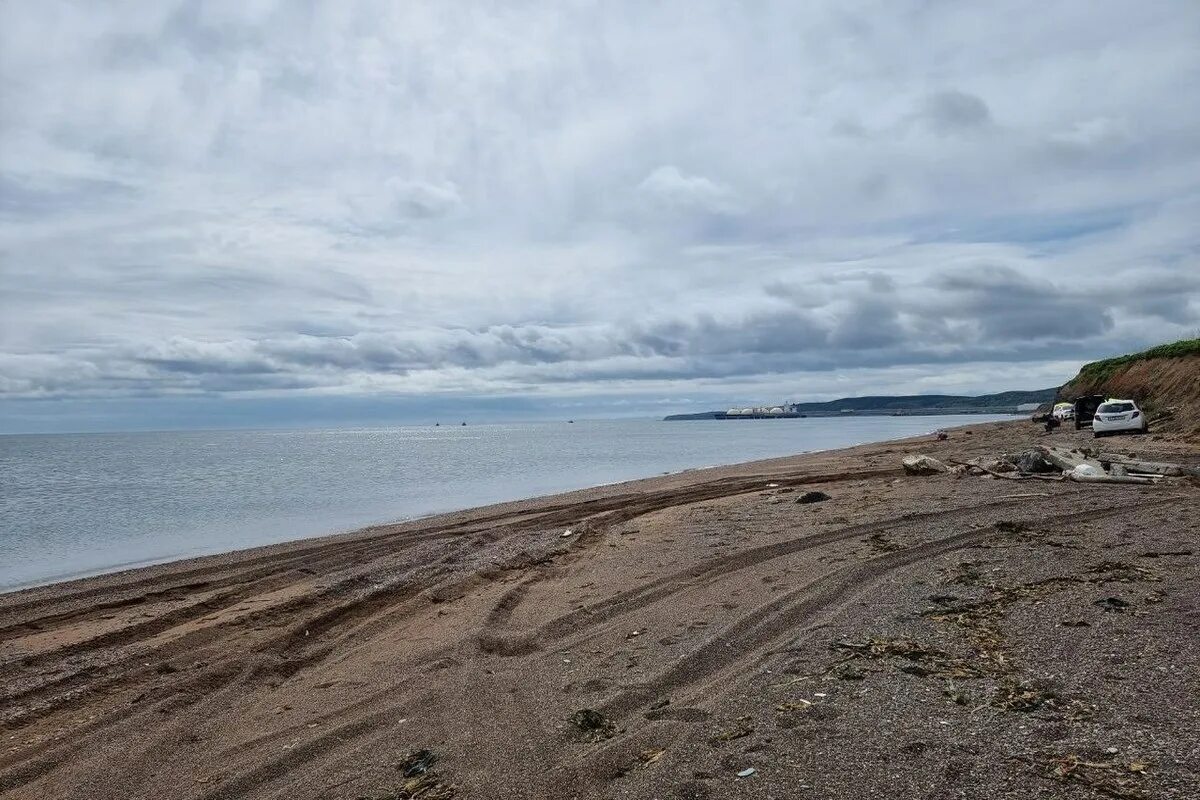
(1086, 471)
(747, 772)
(566, 533)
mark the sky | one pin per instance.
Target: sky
(257, 212)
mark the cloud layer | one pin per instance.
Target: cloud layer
(589, 202)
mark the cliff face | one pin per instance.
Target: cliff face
(1164, 380)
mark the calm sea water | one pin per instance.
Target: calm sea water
(73, 505)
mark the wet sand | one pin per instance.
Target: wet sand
(910, 637)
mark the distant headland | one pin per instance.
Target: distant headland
(903, 405)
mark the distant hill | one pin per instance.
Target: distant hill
(999, 403)
(1164, 380)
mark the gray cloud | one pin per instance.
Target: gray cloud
(953, 111)
(264, 199)
(1007, 305)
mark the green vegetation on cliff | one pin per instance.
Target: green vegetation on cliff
(1106, 368)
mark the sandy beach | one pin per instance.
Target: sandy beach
(697, 635)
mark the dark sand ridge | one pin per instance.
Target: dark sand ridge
(910, 637)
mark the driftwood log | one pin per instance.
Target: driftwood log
(1008, 476)
(1067, 460)
(1149, 467)
(1133, 479)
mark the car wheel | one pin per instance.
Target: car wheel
(1099, 434)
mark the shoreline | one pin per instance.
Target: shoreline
(713, 622)
(337, 531)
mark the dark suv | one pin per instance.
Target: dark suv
(1085, 409)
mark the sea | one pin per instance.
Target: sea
(73, 505)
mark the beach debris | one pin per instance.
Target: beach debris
(418, 762)
(916, 659)
(424, 787)
(1140, 480)
(594, 725)
(1031, 462)
(742, 726)
(1132, 465)
(1121, 572)
(633, 634)
(652, 756)
(975, 468)
(1077, 465)
(813, 497)
(1080, 467)
(923, 465)
(422, 781)
(747, 772)
(965, 574)
(1065, 459)
(790, 714)
(954, 694)
(941, 436)
(1111, 778)
(880, 543)
(566, 533)
(1021, 695)
(799, 704)
(1112, 604)
(849, 672)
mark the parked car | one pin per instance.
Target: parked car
(1085, 409)
(1064, 411)
(1115, 416)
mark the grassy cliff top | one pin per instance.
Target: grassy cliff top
(1099, 370)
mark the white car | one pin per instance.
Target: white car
(1115, 416)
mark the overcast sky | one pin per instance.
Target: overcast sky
(224, 213)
